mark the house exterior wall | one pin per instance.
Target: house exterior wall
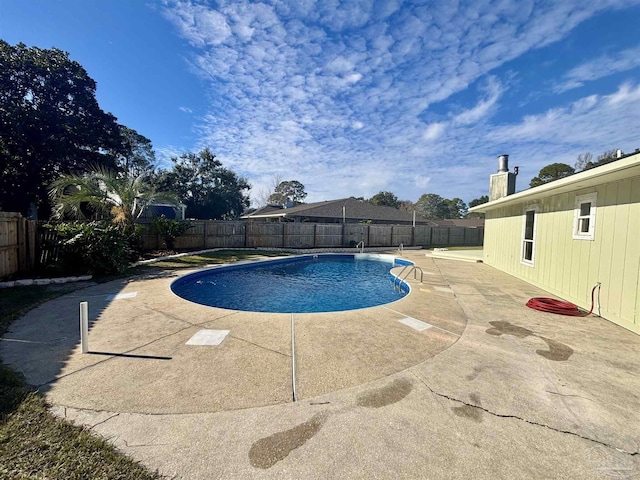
(568, 267)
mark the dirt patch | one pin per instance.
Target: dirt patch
(268, 451)
(506, 328)
(471, 412)
(467, 411)
(381, 397)
(558, 352)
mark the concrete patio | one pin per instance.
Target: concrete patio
(489, 389)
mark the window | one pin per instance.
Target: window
(528, 237)
(584, 218)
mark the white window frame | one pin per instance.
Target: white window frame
(578, 218)
(523, 240)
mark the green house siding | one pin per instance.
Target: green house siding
(568, 267)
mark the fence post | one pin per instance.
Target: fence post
(204, 234)
(22, 247)
(32, 225)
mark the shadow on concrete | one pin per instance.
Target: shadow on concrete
(48, 345)
(130, 355)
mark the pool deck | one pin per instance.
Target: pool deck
(485, 388)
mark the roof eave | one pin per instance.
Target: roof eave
(265, 215)
(613, 171)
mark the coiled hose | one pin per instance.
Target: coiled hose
(560, 307)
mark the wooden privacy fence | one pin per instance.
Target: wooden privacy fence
(206, 234)
(17, 244)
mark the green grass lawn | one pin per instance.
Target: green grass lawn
(213, 258)
(34, 443)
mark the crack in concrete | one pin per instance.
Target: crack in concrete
(530, 422)
(569, 395)
(260, 346)
(182, 320)
(100, 423)
(135, 445)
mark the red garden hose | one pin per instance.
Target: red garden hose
(551, 305)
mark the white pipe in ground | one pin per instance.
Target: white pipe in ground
(84, 326)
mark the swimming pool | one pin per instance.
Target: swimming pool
(304, 284)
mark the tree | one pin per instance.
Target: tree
(474, 203)
(385, 198)
(103, 193)
(50, 124)
(261, 197)
(478, 201)
(549, 173)
(288, 191)
(606, 157)
(135, 154)
(406, 206)
(456, 208)
(207, 188)
(583, 160)
(432, 206)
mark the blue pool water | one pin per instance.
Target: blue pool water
(319, 283)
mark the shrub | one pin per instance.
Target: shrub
(93, 247)
(133, 233)
(170, 229)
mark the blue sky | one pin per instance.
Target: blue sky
(357, 97)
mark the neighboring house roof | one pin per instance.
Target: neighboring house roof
(460, 222)
(625, 167)
(263, 212)
(354, 210)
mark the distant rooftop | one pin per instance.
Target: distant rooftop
(331, 210)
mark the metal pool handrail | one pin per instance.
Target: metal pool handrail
(414, 269)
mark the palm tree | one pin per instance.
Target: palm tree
(122, 196)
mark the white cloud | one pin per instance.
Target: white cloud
(165, 153)
(199, 24)
(600, 67)
(353, 77)
(294, 84)
(627, 94)
(590, 119)
(340, 65)
(421, 182)
(434, 131)
(483, 107)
